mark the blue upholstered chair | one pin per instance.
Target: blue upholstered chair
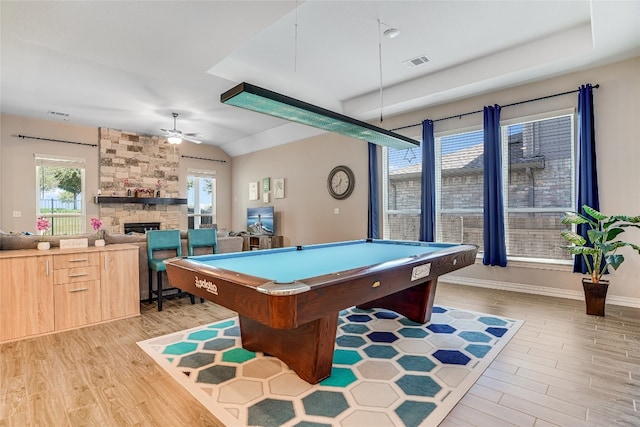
(202, 238)
(162, 240)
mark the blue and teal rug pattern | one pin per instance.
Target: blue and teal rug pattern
(387, 370)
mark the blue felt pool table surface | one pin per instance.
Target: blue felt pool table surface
(286, 265)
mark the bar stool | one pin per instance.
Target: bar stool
(162, 240)
(202, 238)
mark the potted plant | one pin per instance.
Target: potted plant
(96, 224)
(42, 225)
(599, 250)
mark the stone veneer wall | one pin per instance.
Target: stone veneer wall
(142, 160)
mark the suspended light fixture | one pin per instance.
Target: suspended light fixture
(391, 33)
(174, 140)
(264, 101)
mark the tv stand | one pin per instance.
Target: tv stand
(252, 242)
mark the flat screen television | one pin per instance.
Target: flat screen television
(261, 220)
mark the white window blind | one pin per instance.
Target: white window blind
(401, 193)
(459, 188)
(538, 185)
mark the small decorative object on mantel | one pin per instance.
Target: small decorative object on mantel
(158, 187)
(144, 192)
(126, 185)
(598, 250)
(96, 224)
(42, 225)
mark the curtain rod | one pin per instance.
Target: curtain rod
(57, 140)
(503, 106)
(204, 158)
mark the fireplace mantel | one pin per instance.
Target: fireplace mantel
(142, 200)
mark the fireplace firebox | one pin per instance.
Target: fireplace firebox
(140, 227)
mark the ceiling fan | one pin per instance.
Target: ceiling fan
(175, 136)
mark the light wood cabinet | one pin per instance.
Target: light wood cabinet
(76, 304)
(44, 292)
(76, 290)
(120, 290)
(26, 297)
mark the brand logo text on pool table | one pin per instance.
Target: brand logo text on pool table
(207, 285)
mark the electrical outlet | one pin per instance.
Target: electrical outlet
(336, 211)
(17, 214)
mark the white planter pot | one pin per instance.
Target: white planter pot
(99, 242)
(43, 246)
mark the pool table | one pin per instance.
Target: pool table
(288, 299)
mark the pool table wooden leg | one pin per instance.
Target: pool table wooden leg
(414, 303)
(307, 349)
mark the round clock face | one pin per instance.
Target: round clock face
(341, 182)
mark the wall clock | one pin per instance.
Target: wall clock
(341, 182)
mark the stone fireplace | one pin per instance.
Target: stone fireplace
(130, 161)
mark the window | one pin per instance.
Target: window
(459, 188)
(402, 169)
(201, 199)
(459, 192)
(60, 193)
(538, 183)
(538, 179)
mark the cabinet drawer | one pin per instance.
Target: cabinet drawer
(75, 260)
(77, 304)
(74, 275)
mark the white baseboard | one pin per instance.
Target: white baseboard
(537, 290)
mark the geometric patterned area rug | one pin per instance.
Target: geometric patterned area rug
(387, 370)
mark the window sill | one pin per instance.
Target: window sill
(535, 263)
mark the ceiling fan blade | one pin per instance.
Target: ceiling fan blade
(192, 137)
(189, 138)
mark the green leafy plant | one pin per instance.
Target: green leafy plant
(600, 251)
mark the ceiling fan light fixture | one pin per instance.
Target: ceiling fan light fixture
(264, 101)
(391, 33)
(174, 140)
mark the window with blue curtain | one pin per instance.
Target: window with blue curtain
(538, 185)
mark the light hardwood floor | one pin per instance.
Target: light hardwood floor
(562, 368)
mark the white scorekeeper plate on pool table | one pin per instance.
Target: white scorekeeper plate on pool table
(420, 271)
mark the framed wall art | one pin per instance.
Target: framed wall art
(253, 191)
(278, 188)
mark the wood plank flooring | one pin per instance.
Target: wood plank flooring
(563, 368)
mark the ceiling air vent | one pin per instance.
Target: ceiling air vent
(59, 115)
(417, 61)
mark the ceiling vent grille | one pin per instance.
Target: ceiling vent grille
(416, 62)
(58, 114)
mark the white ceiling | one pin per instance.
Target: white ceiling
(129, 65)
